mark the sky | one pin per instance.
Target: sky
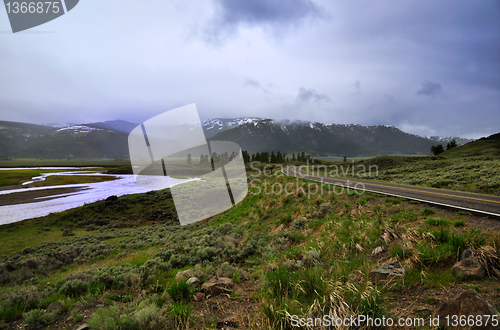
(426, 67)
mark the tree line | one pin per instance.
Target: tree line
(263, 157)
(439, 149)
(266, 157)
(215, 157)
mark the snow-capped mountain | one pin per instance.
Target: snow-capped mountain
(214, 126)
(445, 140)
(256, 134)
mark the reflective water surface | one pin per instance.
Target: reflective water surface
(87, 193)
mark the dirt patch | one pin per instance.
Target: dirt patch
(240, 309)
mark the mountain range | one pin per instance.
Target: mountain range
(109, 139)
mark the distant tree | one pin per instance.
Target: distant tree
(436, 150)
(451, 144)
(257, 157)
(264, 157)
(273, 157)
(303, 156)
(189, 159)
(246, 157)
(293, 157)
(345, 159)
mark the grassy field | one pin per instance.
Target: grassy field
(113, 263)
(17, 177)
(454, 171)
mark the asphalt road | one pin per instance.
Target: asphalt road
(475, 203)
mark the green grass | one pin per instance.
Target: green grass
(322, 248)
(437, 222)
(474, 167)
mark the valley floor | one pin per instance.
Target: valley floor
(112, 264)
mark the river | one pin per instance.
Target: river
(59, 198)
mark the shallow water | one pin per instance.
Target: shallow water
(91, 192)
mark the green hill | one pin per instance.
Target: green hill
(484, 147)
(20, 140)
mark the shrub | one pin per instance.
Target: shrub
(150, 318)
(300, 223)
(68, 232)
(312, 258)
(38, 317)
(112, 319)
(427, 211)
(74, 288)
(77, 317)
(226, 270)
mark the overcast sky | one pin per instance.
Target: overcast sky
(426, 67)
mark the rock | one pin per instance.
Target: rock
(199, 296)
(83, 327)
(184, 275)
(55, 306)
(388, 272)
(469, 269)
(193, 282)
(466, 254)
(216, 286)
(467, 303)
(377, 250)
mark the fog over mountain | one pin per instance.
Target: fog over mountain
(110, 139)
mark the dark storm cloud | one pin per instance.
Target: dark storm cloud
(277, 14)
(429, 88)
(312, 96)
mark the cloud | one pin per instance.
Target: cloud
(312, 96)
(277, 14)
(429, 88)
(357, 85)
(256, 84)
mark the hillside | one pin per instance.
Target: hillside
(484, 147)
(473, 167)
(324, 139)
(83, 142)
(109, 139)
(115, 125)
(126, 263)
